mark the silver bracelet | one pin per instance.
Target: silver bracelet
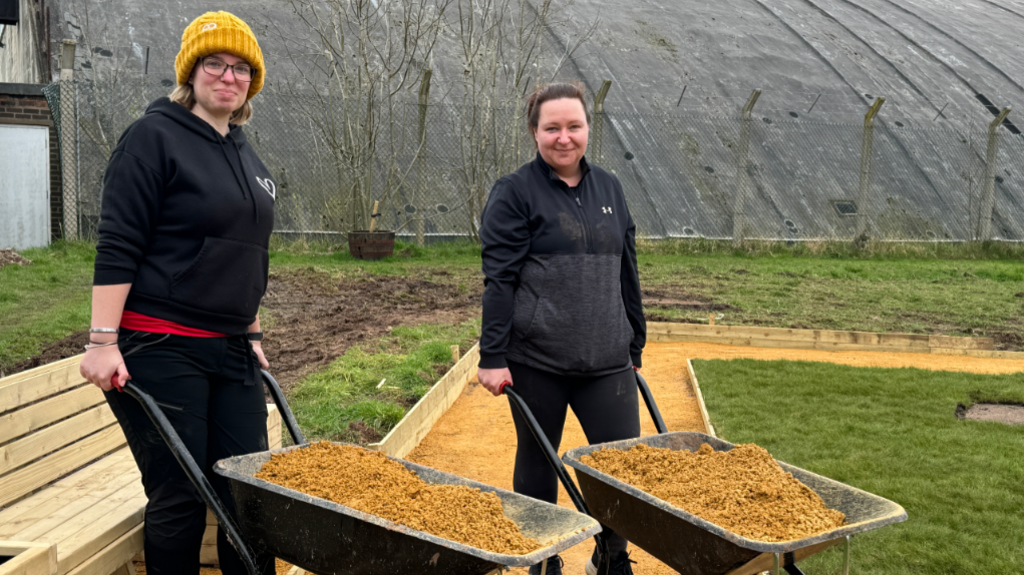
(102, 330)
(95, 345)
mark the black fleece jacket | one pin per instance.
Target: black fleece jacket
(562, 291)
(186, 219)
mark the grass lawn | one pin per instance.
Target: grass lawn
(892, 432)
(375, 384)
(45, 301)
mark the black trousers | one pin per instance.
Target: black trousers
(606, 407)
(206, 388)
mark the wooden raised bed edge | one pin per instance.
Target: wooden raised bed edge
(418, 421)
(826, 340)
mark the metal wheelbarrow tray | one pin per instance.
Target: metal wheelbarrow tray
(326, 538)
(694, 546)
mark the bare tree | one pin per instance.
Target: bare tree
(503, 45)
(359, 62)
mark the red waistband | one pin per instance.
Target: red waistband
(139, 322)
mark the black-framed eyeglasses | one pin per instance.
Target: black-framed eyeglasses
(215, 67)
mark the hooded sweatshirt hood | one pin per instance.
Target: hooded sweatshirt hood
(186, 219)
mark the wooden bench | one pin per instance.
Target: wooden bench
(68, 483)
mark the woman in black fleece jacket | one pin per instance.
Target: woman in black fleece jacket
(562, 315)
(181, 266)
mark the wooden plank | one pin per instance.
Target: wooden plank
(784, 344)
(24, 451)
(421, 418)
(118, 520)
(995, 354)
(29, 558)
(210, 535)
(50, 501)
(273, 426)
(86, 508)
(766, 562)
(208, 555)
(39, 415)
(32, 477)
(16, 394)
(785, 334)
(35, 371)
(708, 428)
(822, 339)
(118, 553)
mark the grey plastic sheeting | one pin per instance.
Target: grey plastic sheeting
(929, 58)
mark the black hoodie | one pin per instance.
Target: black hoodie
(563, 293)
(186, 219)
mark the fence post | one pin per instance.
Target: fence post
(865, 166)
(421, 159)
(742, 178)
(68, 157)
(602, 93)
(988, 193)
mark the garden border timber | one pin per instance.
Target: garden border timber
(827, 340)
(708, 428)
(419, 420)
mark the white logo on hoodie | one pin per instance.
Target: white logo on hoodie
(267, 185)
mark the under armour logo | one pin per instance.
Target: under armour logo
(268, 185)
(606, 209)
(210, 26)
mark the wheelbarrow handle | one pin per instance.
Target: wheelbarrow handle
(282, 406)
(556, 464)
(195, 474)
(645, 391)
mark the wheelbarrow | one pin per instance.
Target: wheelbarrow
(327, 539)
(686, 542)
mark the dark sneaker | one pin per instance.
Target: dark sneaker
(621, 564)
(554, 566)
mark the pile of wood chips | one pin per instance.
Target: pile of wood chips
(743, 490)
(370, 482)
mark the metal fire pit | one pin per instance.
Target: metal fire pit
(694, 546)
(326, 538)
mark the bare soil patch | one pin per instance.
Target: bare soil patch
(1010, 414)
(315, 317)
(9, 257)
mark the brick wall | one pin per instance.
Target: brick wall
(24, 104)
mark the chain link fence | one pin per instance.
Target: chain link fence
(686, 174)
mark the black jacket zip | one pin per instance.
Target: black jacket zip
(587, 234)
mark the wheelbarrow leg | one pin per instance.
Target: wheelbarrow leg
(563, 475)
(195, 474)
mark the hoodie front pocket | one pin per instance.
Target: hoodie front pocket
(227, 277)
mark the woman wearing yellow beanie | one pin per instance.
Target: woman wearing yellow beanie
(181, 267)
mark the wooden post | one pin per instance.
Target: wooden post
(68, 143)
(602, 93)
(742, 178)
(711, 319)
(988, 193)
(455, 353)
(373, 216)
(421, 159)
(864, 195)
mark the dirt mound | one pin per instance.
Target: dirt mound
(370, 482)
(8, 257)
(743, 490)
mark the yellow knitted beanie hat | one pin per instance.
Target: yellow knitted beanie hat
(219, 32)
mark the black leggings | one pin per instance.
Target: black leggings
(206, 389)
(606, 407)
